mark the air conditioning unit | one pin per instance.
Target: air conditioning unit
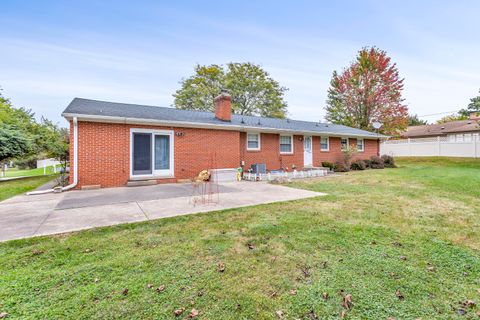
(259, 168)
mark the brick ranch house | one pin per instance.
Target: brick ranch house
(112, 144)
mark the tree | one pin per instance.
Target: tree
(23, 136)
(414, 120)
(369, 90)
(473, 106)
(452, 117)
(253, 91)
(13, 143)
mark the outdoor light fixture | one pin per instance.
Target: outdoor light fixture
(179, 134)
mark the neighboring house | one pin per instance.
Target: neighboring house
(454, 131)
(116, 143)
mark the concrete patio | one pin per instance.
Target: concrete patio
(29, 216)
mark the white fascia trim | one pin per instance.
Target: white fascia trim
(186, 124)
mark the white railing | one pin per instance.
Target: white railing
(291, 175)
(431, 147)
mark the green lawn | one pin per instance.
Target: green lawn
(405, 243)
(14, 172)
(12, 188)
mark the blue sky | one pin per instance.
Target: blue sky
(138, 51)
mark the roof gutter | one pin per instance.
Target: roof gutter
(186, 124)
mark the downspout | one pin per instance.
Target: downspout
(75, 165)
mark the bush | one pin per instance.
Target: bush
(358, 165)
(368, 163)
(26, 163)
(388, 161)
(327, 164)
(376, 162)
(340, 167)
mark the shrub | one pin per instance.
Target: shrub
(388, 161)
(368, 163)
(340, 167)
(358, 165)
(26, 163)
(376, 162)
(348, 154)
(327, 164)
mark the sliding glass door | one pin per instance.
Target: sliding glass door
(151, 153)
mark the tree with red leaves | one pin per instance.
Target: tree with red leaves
(369, 90)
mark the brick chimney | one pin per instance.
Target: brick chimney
(474, 115)
(223, 107)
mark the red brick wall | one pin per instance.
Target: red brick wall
(270, 152)
(104, 152)
(335, 152)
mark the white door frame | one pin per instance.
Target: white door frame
(155, 173)
(307, 151)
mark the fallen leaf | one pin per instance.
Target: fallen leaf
(221, 267)
(324, 264)
(193, 313)
(399, 294)
(192, 302)
(200, 293)
(391, 318)
(37, 252)
(178, 312)
(312, 315)
(3, 315)
(87, 250)
(347, 301)
(469, 303)
(373, 242)
(149, 285)
(431, 269)
(161, 288)
(397, 244)
(125, 291)
(461, 312)
(293, 292)
(403, 258)
(250, 246)
(343, 314)
(325, 296)
(279, 314)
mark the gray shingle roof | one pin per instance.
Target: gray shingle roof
(80, 106)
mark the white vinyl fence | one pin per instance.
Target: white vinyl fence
(432, 147)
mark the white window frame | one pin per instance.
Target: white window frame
(363, 145)
(291, 143)
(160, 173)
(328, 144)
(259, 141)
(348, 143)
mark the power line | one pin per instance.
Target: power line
(440, 113)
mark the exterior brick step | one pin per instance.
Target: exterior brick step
(138, 183)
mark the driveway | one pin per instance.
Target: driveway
(29, 216)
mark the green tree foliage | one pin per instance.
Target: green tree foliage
(22, 136)
(369, 90)
(453, 117)
(253, 91)
(473, 106)
(414, 120)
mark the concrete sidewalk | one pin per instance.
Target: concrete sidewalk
(29, 216)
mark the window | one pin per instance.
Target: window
(360, 146)
(344, 143)
(286, 144)
(253, 141)
(151, 152)
(324, 145)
